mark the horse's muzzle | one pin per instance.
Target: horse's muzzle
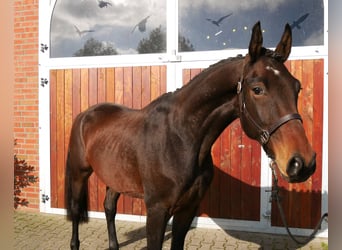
(297, 171)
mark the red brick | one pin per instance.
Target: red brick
(26, 88)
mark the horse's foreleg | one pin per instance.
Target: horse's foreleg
(180, 225)
(157, 218)
(190, 202)
(109, 204)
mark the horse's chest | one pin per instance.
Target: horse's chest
(195, 192)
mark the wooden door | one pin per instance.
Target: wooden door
(74, 90)
(235, 190)
(302, 202)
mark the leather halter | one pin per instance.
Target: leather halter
(264, 133)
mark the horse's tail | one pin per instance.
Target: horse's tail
(76, 203)
(68, 188)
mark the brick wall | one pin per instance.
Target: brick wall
(26, 90)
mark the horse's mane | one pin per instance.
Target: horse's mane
(223, 61)
(265, 52)
(215, 65)
(203, 73)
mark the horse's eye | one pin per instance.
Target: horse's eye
(258, 90)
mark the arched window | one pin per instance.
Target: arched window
(107, 27)
(122, 27)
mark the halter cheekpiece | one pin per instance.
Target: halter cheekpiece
(264, 133)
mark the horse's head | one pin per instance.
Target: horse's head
(268, 96)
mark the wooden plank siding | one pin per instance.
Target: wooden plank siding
(302, 202)
(74, 90)
(235, 191)
(237, 175)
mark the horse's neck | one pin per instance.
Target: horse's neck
(211, 91)
(210, 103)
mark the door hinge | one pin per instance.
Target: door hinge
(45, 198)
(43, 47)
(43, 82)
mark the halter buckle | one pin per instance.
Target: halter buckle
(264, 137)
(239, 87)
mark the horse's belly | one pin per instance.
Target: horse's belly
(114, 161)
(124, 180)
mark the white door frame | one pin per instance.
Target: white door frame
(175, 63)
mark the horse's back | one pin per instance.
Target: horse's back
(101, 111)
(92, 119)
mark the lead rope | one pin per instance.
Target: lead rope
(275, 195)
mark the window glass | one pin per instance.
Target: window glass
(217, 24)
(108, 27)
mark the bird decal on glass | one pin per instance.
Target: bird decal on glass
(296, 23)
(141, 25)
(103, 4)
(217, 22)
(82, 32)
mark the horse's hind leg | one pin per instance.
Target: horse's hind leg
(76, 188)
(110, 204)
(78, 211)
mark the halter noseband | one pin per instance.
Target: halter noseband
(264, 134)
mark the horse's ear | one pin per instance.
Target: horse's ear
(255, 45)
(284, 46)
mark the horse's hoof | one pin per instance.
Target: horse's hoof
(75, 245)
(113, 245)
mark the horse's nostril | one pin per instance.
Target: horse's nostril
(294, 166)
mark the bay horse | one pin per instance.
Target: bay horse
(162, 153)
